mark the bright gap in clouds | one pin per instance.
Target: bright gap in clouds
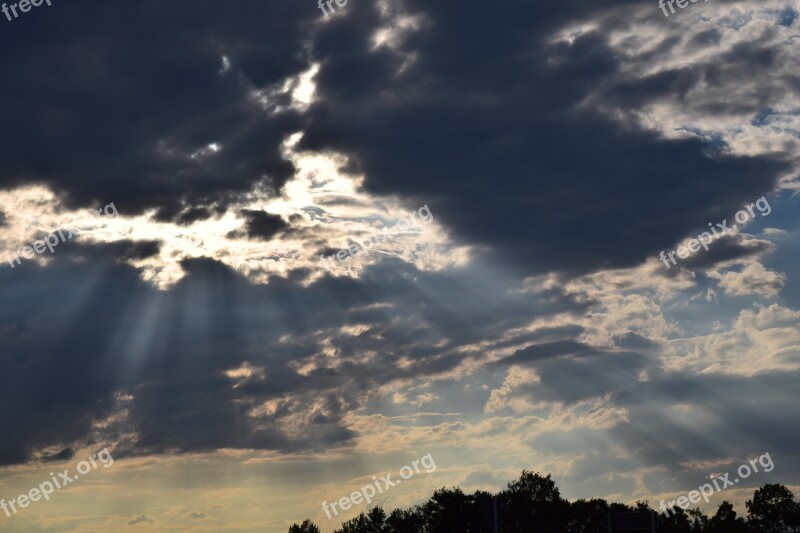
(325, 209)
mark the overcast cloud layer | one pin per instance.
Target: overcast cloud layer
(529, 323)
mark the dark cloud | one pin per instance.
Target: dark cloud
(724, 250)
(260, 225)
(634, 341)
(512, 115)
(142, 519)
(733, 416)
(162, 357)
(706, 38)
(187, 132)
(123, 250)
(674, 423)
(193, 214)
(539, 352)
(570, 371)
(130, 106)
(676, 419)
(180, 107)
(63, 455)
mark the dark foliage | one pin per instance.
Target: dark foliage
(533, 504)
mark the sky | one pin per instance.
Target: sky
(517, 170)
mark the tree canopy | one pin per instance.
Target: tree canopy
(533, 504)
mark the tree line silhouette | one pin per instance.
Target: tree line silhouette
(533, 504)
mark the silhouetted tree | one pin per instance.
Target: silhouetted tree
(725, 521)
(372, 522)
(587, 516)
(676, 522)
(620, 508)
(534, 506)
(699, 520)
(402, 521)
(773, 510)
(451, 510)
(306, 527)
